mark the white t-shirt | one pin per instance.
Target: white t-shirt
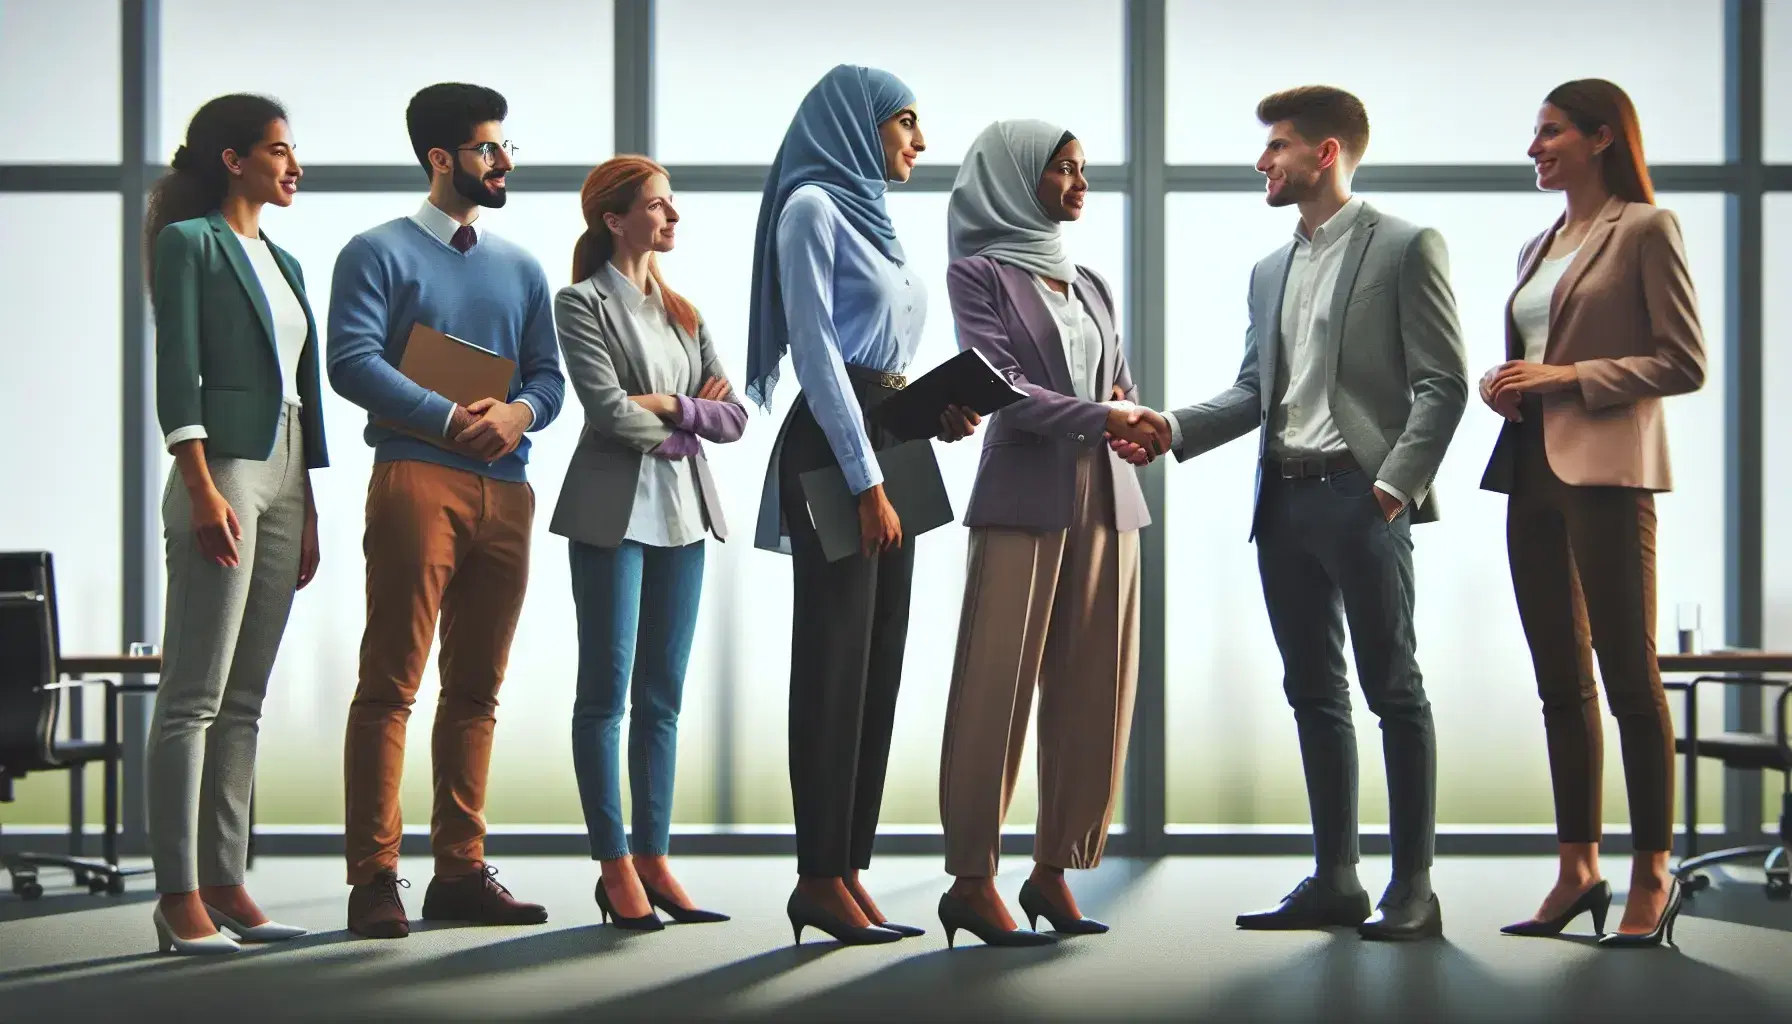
(1080, 338)
(290, 325)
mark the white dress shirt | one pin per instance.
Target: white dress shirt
(437, 222)
(1079, 336)
(1305, 411)
(667, 511)
(1530, 307)
(290, 328)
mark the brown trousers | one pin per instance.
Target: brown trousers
(445, 541)
(1583, 569)
(1060, 610)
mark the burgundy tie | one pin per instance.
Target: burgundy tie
(464, 238)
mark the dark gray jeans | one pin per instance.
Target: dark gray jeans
(1328, 557)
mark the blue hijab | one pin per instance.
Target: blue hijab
(833, 142)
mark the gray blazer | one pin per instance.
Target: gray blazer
(1394, 355)
(605, 359)
(1028, 468)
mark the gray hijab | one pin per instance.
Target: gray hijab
(994, 210)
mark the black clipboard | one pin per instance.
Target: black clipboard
(968, 380)
(912, 482)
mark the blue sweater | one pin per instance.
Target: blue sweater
(495, 295)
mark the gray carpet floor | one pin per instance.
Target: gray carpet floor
(1174, 954)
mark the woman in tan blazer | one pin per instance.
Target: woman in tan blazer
(1602, 325)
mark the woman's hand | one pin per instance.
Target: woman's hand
(308, 549)
(1506, 405)
(663, 406)
(715, 389)
(879, 526)
(215, 525)
(957, 423)
(1518, 377)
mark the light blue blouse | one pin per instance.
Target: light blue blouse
(844, 302)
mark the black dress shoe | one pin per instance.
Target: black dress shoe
(1310, 905)
(1401, 917)
(1035, 905)
(907, 931)
(956, 913)
(678, 914)
(1596, 900)
(1664, 925)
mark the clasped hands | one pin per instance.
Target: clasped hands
(490, 429)
(1503, 386)
(1136, 433)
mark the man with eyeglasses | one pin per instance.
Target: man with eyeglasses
(448, 518)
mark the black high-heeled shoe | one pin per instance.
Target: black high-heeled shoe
(806, 913)
(1035, 905)
(678, 914)
(1664, 928)
(1597, 900)
(956, 913)
(649, 922)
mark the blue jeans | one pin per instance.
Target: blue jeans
(637, 613)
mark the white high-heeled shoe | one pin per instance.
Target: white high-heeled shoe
(267, 931)
(168, 942)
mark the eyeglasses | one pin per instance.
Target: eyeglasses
(488, 151)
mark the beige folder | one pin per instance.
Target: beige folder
(458, 370)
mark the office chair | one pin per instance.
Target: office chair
(31, 689)
(1741, 750)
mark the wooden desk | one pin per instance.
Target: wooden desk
(1711, 666)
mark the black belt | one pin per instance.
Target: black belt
(877, 378)
(1301, 467)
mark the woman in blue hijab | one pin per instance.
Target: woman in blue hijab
(831, 287)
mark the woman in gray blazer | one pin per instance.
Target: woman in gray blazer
(636, 503)
(1052, 586)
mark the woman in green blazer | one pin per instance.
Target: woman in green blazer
(238, 399)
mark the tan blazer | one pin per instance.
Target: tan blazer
(1624, 315)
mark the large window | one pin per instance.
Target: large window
(1443, 83)
(1776, 428)
(61, 381)
(59, 72)
(345, 69)
(947, 51)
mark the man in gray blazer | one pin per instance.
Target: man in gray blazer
(1355, 377)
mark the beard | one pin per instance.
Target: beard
(1294, 190)
(475, 190)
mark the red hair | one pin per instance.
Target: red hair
(612, 187)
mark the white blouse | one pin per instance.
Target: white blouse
(1530, 307)
(667, 511)
(1079, 336)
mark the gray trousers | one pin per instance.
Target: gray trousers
(221, 631)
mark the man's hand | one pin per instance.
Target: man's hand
(498, 429)
(1517, 377)
(1145, 428)
(308, 548)
(879, 526)
(957, 423)
(1507, 404)
(715, 389)
(1390, 505)
(663, 406)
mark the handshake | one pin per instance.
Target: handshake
(1136, 433)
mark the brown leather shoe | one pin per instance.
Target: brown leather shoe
(478, 898)
(375, 910)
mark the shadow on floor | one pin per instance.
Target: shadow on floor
(66, 901)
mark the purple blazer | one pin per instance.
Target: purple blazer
(1030, 449)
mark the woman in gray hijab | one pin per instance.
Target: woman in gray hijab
(1052, 583)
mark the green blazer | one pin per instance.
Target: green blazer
(216, 363)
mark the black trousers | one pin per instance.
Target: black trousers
(1328, 557)
(848, 631)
